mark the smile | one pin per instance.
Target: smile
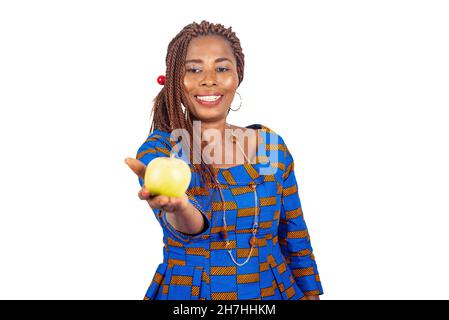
(209, 100)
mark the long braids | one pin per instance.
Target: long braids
(167, 109)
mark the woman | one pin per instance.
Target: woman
(238, 232)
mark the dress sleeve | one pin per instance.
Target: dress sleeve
(157, 146)
(294, 237)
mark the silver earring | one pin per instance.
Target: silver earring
(240, 105)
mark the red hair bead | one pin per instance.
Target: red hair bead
(161, 80)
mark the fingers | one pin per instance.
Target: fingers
(165, 203)
(136, 166)
(172, 205)
(144, 194)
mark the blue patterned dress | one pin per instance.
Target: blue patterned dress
(281, 266)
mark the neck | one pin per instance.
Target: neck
(208, 138)
(219, 125)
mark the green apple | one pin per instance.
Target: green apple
(167, 176)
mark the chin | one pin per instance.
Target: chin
(206, 112)
(210, 115)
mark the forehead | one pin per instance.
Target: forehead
(204, 47)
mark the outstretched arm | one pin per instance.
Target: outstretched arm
(180, 213)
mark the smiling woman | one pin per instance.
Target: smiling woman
(239, 231)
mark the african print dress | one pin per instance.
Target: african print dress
(281, 266)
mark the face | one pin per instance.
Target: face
(211, 77)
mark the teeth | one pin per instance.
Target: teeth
(208, 98)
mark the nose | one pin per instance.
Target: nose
(209, 79)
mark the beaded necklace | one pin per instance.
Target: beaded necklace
(253, 240)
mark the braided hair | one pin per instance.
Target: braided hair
(167, 111)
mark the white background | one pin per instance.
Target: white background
(358, 90)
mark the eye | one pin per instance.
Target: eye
(193, 70)
(222, 69)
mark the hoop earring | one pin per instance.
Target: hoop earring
(240, 105)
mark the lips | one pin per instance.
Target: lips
(209, 99)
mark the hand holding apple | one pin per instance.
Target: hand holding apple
(164, 202)
(181, 214)
(167, 176)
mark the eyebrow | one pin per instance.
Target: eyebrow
(201, 61)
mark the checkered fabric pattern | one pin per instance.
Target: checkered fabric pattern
(282, 265)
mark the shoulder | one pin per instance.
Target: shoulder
(276, 148)
(157, 143)
(263, 128)
(273, 138)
